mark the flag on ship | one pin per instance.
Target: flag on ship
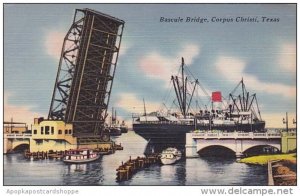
(216, 96)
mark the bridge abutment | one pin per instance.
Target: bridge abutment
(7, 147)
(288, 142)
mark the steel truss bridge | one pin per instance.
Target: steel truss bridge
(86, 71)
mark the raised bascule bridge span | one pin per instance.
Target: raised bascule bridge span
(85, 73)
(82, 88)
(238, 142)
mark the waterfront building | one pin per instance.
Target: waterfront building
(52, 135)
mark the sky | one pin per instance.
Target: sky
(218, 54)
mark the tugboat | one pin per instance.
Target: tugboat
(115, 128)
(170, 156)
(239, 112)
(81, 156)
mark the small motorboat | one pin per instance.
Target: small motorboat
(81, 156)
(170, 156)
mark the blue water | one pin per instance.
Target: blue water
(197, 171)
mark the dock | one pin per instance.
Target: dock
(281, 174)
(59, 154)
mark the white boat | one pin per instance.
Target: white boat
(170, 156)
(81, 156)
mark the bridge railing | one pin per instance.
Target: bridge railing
(17, 135)
(221, 135)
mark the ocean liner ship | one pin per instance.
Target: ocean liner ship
(240, 112)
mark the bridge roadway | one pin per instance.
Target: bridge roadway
(197, 141)
(17, 136)
(238, 142)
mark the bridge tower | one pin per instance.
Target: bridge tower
(86, 71)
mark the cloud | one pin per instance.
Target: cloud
(161, 67)
(189, 52)
(130, 103)
(287, 57)
(20, 113)
(233, 68)
(53, 43)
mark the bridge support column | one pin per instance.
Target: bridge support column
(239, 149)
(190, 146)
(239, 155)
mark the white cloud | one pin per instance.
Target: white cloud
(162, 67)
(53, 43)
(20, 113)
(189, 52)
(233, 68)
(287, 57)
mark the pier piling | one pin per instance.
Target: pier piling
(126, 170)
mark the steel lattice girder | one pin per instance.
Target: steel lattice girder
(86, 71)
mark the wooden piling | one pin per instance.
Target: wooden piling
(129, 168)
(41, 155)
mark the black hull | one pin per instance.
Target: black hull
(173, 135)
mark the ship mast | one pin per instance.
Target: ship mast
(184, 80)
(244, 101)
(181, 88)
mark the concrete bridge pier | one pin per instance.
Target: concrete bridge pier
(239, 149)
(239, 155)
(191, 147)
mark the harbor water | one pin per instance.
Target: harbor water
(196, 171)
